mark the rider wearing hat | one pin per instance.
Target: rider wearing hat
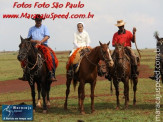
(125, 38)
(40, 36)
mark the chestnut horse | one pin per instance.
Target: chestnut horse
(36, 71)
(88, 74)
(121, 71)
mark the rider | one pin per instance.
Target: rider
(81, 37)
(40, 36)
(125, 37)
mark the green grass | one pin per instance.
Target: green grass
(104, 105)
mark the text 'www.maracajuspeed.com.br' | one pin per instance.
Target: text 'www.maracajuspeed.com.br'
(52, 16)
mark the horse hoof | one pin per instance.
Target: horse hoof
(93, 111)
(117, 108)
(126, 107)
(34, 110)
(44, 112)
(65, 108)
(48, 104)
(39, 104)
(83, 113)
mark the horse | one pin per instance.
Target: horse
(88, 74)
(36, 71)
(159, 57)
(121, 71)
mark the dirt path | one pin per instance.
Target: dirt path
(18, 86)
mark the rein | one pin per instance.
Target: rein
(124, 58)
(39, 63)
(34, 65)
(106, 60)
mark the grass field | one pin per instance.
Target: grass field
(105, 104)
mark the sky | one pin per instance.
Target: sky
(145, 15)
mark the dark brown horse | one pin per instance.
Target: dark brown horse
(88, 74)
(36, 71)
(122, 72)
(159, 59)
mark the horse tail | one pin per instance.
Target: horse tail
(131, 82)
(111, 87)
(156, 35)
(74, 84)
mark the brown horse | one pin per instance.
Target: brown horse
(88, 73)
(121, 71)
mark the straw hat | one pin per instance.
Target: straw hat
(120, 23)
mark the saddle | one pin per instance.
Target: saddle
(47, 51)
(76, 57)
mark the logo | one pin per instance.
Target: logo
(17, 112)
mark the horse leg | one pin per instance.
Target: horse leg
(79, 96)
(33, 96)
(44, 93)
(135, 80)
(92, 95)
(116, 85)
(68, 83)
(39, 95)
(126, 91)
(82, 90)
(48, 91)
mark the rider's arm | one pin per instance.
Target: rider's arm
(87, 40)
(134, 33)
(44, 39)
(75, 41)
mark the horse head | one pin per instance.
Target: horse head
(105, 54)
(119, 51)
(159, 40)
(24, 48)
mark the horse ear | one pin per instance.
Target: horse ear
(100, 43)
(156, 35)
(108, 43)
(21, 38)
(29, 38)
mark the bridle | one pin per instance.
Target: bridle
(38, 63)
(104, 57)
(123, 65)
(26, 50)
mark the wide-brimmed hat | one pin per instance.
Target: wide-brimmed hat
(38, 17)
(120, 23)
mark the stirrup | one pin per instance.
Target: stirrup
(70, 73)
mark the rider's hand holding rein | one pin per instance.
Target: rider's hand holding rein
(40, 42)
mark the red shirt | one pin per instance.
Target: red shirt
(125, 38)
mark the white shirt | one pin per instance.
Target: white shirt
(81, 39)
